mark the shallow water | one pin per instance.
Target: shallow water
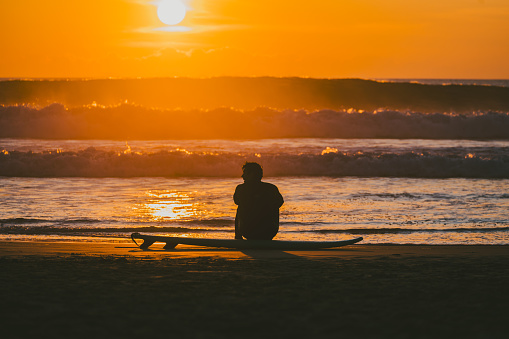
(382, 210)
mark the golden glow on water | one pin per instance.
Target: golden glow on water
(169, 210)
(382, 210)
(329, 150)
(169, 205)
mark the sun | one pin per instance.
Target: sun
(171, 12)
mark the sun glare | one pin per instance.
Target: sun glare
(169, 205)
(171, 12)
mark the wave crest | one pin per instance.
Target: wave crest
(249, 93)
(180, 163)
(128, 122)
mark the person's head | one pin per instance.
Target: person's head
(252, 171)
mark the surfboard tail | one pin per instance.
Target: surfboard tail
(149, 240)
(133, 236)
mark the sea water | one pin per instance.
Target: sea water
(392, 191)
(387, 209)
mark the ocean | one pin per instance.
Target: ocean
(396, 161)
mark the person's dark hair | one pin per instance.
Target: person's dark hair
(253, 167)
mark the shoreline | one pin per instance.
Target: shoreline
(105, 290)
(129, 249)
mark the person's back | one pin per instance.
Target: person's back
(259, 202)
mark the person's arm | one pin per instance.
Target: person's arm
(278, 198)
(236, 198)
(236, 195)
(238, 236)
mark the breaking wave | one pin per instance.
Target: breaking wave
(129, 122)
(330, 162)
(249, 93)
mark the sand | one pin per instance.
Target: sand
(113, 290)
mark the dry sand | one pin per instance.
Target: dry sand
(106, 290)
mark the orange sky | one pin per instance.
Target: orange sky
(322, 38)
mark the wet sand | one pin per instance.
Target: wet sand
(110, 290)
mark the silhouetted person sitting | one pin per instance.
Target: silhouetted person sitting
(259, 202)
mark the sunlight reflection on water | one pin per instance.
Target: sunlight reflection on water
(169, 205)
(382, 210)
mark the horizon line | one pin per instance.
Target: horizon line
(234, 76)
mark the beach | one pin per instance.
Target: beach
(84, 290)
